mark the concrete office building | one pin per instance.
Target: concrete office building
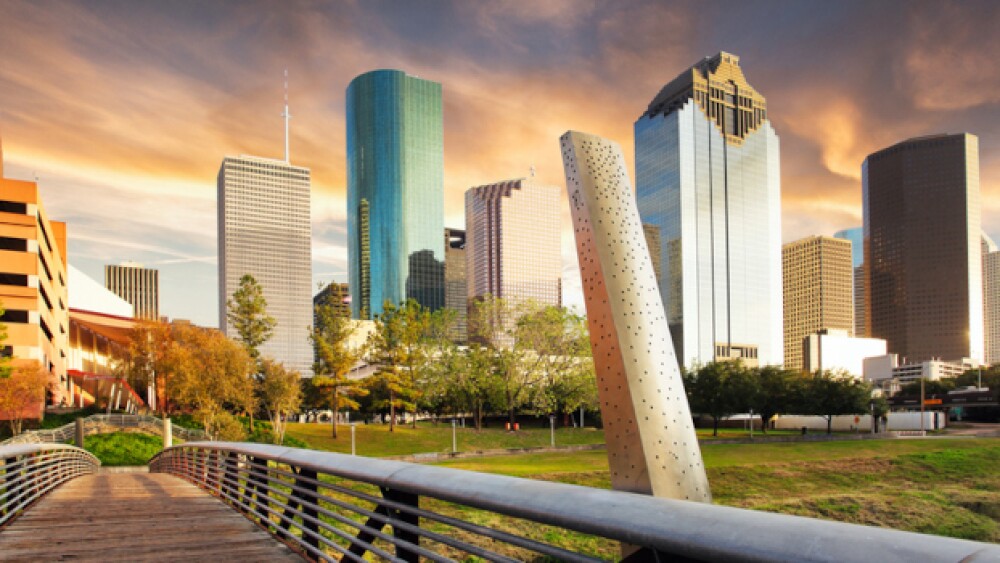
(818, 279)
(513, 242)
(708, 180)
(265, 231)
(33, 287)
(837, 350)
(923, 257)
(395, 191)
(991, 300)
(455, 282)
(138, 285)
(857, 237)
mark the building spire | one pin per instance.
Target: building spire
(287, 116)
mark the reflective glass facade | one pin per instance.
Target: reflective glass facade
(708, 188)
(395, 191)
(923, 257)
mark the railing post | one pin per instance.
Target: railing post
(308, 482)
(168, 435)
(79, 432)
(412, 538)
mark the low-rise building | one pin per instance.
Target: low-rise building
(33, 286)
(837, 350)
(889, 374)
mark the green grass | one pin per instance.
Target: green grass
(123, 448)
(948, 487)
(375, 440)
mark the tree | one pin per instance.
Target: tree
(247, 313)
(717, 389)
(280, 394)
(211, 374)
(334, 360)
(931, 387)
(494, 323)
(5, 369)
(21, 392)
(398, 347)
(829, 394)
(144, 362)
(774, 391)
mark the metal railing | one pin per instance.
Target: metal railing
(334, 506)
(95, 423)
(29, 471)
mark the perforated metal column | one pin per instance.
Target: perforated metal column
(652, 447)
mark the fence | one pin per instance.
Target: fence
(100, 423)
(29, 471)
(333, 505)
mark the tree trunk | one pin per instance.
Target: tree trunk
(336, 406)
(478, 413)
(392, 412)
(512, 419)
(829, 424)
(715, 426)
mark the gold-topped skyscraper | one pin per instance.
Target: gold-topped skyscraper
(708, 189)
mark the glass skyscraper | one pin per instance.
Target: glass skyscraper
(923, 248)
(709, 195)
(395, 191)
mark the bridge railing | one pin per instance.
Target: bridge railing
(97, 423)
(337, 506)
(29, 471)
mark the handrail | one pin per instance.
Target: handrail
(29, 471)
(324, 503)
(94, 423)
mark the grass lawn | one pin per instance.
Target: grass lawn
(375, 440)
(948, 487)
(123, 448)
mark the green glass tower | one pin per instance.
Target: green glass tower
(395, 191)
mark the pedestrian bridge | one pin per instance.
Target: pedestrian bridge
(235, 501)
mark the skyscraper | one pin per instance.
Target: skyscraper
(707, 179)
(138, 285)
(923, 257)
(857, 236)
(513, 242)
(817, 277)
(991, 300)
(395, 191)
(265, 231)
(455, 282)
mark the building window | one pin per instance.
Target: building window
(14, 207)
(16, 244)
(14, 316)
(14, 279)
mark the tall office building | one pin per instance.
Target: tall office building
(33, 288)
(857, 236)
(923, 258)
(336, 295)
(817, 277)
(707, 179)
(455, 282)
(395, 191)
(512, 247)
(991, 300)
(265, 231)
(138, 285)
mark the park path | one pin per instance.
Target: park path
(136, 517)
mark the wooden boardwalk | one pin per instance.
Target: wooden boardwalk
(136, 517)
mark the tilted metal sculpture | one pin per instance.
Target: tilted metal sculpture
(652, 447)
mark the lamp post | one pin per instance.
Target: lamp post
(454, 438)
(552, 430)
(922, 430)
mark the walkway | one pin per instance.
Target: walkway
(136, 517)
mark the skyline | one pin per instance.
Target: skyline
(124, 110)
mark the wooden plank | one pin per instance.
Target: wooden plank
(136, 517)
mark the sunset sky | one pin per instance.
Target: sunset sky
(123, 110)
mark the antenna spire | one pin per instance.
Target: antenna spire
(287, 116)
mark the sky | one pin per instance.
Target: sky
(124, 110)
